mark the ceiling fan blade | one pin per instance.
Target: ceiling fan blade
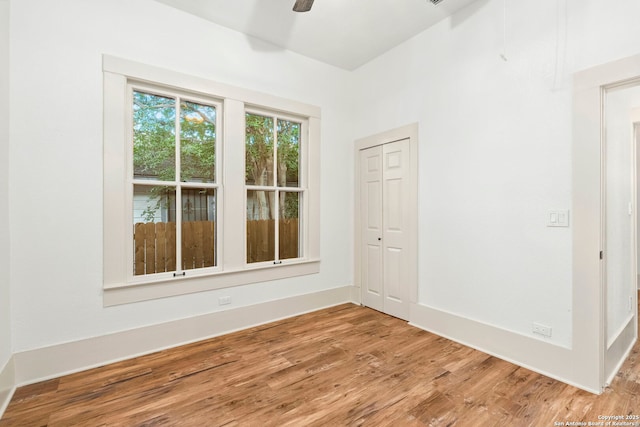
(302, 5)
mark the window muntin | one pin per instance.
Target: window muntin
(173, 135)
(273, 187)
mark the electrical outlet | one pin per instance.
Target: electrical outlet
(541, 329)
(224, 300)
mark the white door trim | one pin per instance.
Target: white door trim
(620, 342)
(588, 291)
(409, 132)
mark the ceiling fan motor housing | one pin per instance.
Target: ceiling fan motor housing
(302, 5)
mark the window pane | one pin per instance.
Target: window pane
(154, 229)
(289, 225)
(288, 153)
(198, 228)
(154, 141)
(197, 142)
(260, 226)
(259, 150)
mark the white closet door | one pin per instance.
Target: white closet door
(371, 223)
(395, 220)
(384, 183)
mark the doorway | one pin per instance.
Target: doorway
(386, 221)
(619, 224)
(604, 265)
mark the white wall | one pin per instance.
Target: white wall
(56, 156)
(495, 150)
(5, 308)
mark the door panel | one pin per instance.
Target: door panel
(372, 274)
(371, 232)
(393, 206)
(374, 202)
(395, 235)
(392, 274)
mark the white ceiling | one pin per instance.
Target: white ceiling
(344, 33)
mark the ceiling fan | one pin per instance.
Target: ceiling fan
(302, 5)
(305, 5)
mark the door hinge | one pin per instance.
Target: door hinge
(601, 254)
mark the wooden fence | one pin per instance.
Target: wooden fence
(155, 244)
(261, 240)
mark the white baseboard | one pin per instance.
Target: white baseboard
(619, 349)
(356, 294)
(62, 359)
(7, 385)
(536, 355)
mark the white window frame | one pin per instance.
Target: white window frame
(132, 86)
(119, 285)
(300, 189)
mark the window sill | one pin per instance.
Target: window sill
(117, 294)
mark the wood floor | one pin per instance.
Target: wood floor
(346, 365)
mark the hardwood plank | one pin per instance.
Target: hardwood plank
(345, 365)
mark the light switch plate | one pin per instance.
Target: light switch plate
(558, 218)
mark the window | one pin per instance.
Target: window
(173, 146)
(274, 190)
(205, 185)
